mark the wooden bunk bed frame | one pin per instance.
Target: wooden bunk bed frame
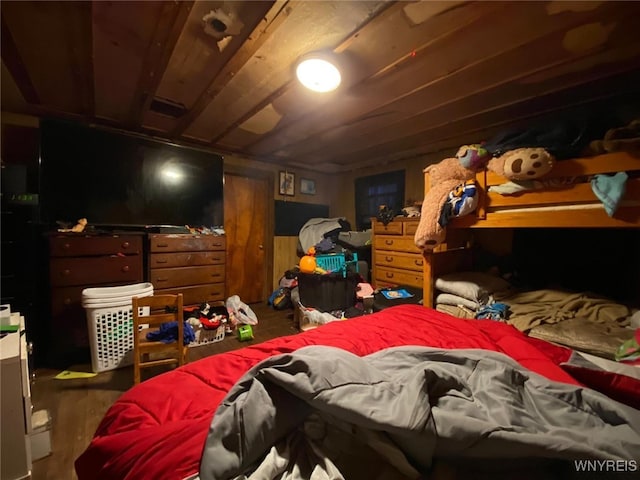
(572, 205)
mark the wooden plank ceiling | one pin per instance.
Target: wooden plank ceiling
(418, 76)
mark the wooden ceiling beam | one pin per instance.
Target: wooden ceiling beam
(373, 22)
(259, 106)
(446, 99)
(15, 65)
(406, 51)
(622, 83)
(447, 146)
(400, 93)
(172, 21)
(275, 14)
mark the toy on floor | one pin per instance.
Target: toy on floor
(364, 290)
(245, 333)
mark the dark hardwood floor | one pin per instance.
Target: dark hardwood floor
(77, 406)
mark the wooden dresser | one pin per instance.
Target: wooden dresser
(396, 259)
(193, 265)
(76, 262)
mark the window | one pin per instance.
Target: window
(375, 190)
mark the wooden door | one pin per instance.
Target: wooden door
(247, 203)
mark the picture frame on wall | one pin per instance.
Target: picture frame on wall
(287, 183)
(307, 186)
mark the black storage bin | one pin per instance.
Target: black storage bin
(328, 292)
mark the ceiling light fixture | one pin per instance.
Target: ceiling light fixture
(318, 72)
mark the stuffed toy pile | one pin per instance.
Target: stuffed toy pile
(452, 173)
(518, 154)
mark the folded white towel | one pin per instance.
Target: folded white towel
(456, 301)
(475, 286)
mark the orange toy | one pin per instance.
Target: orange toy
(308, 264)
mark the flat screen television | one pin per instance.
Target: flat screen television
(116, 179)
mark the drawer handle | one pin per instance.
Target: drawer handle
(388, 242)
(126, 245)
(216, 275)
(162, 279)
(161, 261)
(162, 245)
(125, 268)
(67, 246)
(418, 262)
(216, 244)
(67, 301)
(216, 259)
(389, 274)
(388, 258)
(66, 271)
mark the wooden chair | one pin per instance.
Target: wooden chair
(147, 353)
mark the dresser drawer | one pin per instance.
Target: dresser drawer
(185, 243)
(411, 227)
(393, 228)
(197, 294)
(409, 261)
(67, 246)
(182, 276)
(390, 276)
(66, 299)
(66, 272)
(69, 329)
(184, 259)
(398, 244)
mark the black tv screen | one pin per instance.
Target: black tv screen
(116, 179)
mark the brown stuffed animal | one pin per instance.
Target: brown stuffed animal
(522, 163)
(77, 228)
(618, 139)
(444, 177)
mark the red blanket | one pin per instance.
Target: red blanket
(158, 429)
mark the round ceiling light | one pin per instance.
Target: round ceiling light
(318, 74)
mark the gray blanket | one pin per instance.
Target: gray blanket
(324, 413)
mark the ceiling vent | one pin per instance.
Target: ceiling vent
(164, 106)
(220, 24)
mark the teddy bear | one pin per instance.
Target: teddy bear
(444, 177)
(522, 163)
(77, 228)
(618, 139)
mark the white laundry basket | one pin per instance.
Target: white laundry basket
(94, 295)
(110, 324)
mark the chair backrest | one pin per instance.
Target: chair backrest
(161, 309)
